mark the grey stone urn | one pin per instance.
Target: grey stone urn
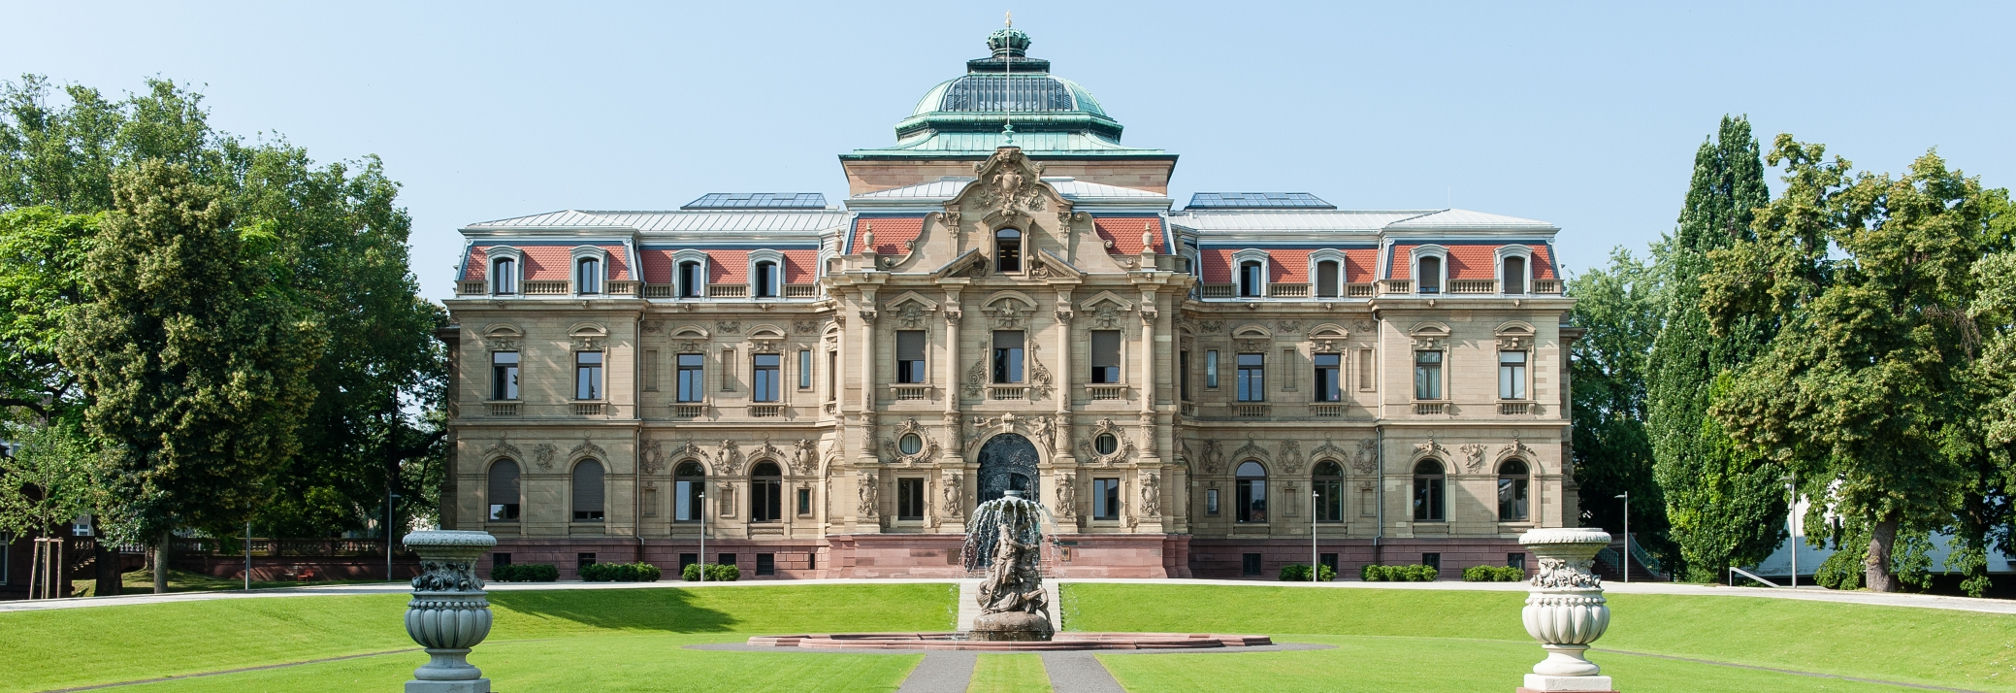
(1565, 609)
(449, 613)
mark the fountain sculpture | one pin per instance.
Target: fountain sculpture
(1005, 539)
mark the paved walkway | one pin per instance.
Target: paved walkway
(1920, 601)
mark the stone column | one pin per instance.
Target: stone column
(1565, 608)
(449, 613)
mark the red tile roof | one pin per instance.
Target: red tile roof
(891, 233)
(730, 266)
(547, 262)
(1289, 264)
(1473, 261)
(1124, 233)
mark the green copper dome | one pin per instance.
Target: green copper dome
(972, 111)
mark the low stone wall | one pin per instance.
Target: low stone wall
(1225, 558)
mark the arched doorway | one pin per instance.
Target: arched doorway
(1008, 462)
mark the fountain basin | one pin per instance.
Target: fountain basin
(962, 641)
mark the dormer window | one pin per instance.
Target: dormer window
(1430, 281)
(1512, 275)
(690, 284)
(1251, 282)
(1326, 273)
(764, 280)
(588, 276)
(1008, 251)
(1326, 279)
(504, 276)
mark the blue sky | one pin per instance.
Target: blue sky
(1586, 115)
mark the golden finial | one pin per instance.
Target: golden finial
(1009, 18)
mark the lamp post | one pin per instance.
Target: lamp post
(702, 509)
(390, 498)
(1792, 523)
(1627, 535)
(1315, 497)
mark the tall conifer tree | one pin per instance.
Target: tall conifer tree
(1724, 506)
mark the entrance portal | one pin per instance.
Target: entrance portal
(1008, 462)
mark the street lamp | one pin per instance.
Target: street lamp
(390, 499)
(1315, 497)
(1627, 535)
(702, 509)
(1792, 523)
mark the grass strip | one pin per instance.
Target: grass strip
(1009, 673)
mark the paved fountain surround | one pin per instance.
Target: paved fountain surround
(1057, 642)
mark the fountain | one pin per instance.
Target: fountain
(1005, 539)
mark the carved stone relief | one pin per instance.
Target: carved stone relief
(1122, 447)
(542, 455)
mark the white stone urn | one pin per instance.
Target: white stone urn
(449, 613)
(1565, 609)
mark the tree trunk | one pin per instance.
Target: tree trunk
(106, 558)
(161, 553)
(1876, 568)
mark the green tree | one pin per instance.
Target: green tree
(1863, 388)
(41, 279)
(1987, 516)
(1724, 505)
(1619, 307)
(196, 360)
(44, 483)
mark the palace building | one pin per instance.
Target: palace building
(1009, 298)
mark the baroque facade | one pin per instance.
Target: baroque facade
(1009, 299)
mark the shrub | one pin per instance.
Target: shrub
(1493, 573)
(1398, 573)
(620, 572)
(1297, 572)
(524, 572)
(1841, 571)
(715, 572)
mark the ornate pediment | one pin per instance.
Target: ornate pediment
(1009, 182)
(1121, 447)
(587, 448)
(503, 449)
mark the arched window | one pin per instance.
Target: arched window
(503, 496)
(1008, 251)
(692, 282)
(765, 280)
(1512, 485)
(1512, 277)
(1428, 279)
(1252, 492)
(588, 276)
(688, 482)
(1428, 499)
(766, 487)
(1252, 278)
(1329, 279)
(504, 276)
(588, 491)
(1328, 483)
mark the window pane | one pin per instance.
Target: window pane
(588, 375)
(1211, 368)
(1105, 356)
(1515, 275)
(504, 375)
(1008, 250)
(503, 491)
(690, 372)
(909, 499)
(588, 278)
(1329, 387)
(1008, 356)
(1430, 280)
(1512, 375)
(1326, 279)
(767, 372)
(804, 369)
(1428, 375)
(1105, 499)
(910, 356)
(1252, 378)
(588, 491)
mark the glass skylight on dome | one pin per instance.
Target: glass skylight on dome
(1257, 200)
(724, 200)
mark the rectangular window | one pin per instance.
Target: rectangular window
(691, 368)
(909, 499)
(1105, 356)
(651, 370)
(1008, 356)
(804, 502)
(1287, 364)
(1183, 374)
(1328, 369)
(498, 560)
(766, 564)
(1210, 501)
(909, 356)
(1432, 560)
(583, 560)
(1326, 279)
(1329, 560)
(587, 375)
(724, 559)
(766, 376)
(1511, 375)
(1428, 375)
(1367, 376)
(686, 500)
(1211, 369)
(686, 559)
(1252, 377)
(804, 369)
(1249, 564)
(1516, 560)
(832, 376)
(1105, 499)
(504, 375)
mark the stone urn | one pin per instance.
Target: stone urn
(449, 613)
(1565, 609)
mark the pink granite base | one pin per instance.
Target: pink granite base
(1062, 641)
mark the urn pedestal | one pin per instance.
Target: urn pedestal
(1565, 609)
(449, 613)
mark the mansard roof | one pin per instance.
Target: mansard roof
(1071, 188)
(674, 220)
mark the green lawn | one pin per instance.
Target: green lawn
(1009, 673)
(1944, 648)
(633, 639)
(142, 582)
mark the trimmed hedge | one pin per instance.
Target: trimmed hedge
(1493, 573)
(525, 572)
(1398, 573)
(620, 572)
(715, 572)
(1297, 572)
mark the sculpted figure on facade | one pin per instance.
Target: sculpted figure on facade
(867, 493)
(1067, 494)
(1473, 457)
(1151, 496)
(542, 455)
(806, 458)
(728, 459)
(955, 497)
